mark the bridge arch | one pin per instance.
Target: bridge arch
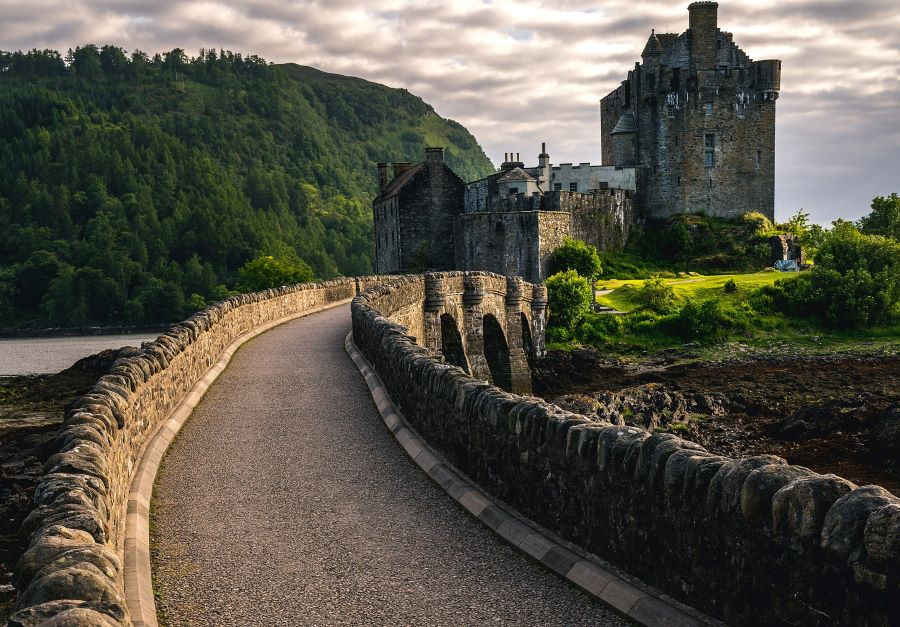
(496, 352)
(452, 344)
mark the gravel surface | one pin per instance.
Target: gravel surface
(285, 501)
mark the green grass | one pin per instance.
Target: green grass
(624, 294)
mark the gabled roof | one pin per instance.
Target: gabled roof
(393, 188)
(516, 174)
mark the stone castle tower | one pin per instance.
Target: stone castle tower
(697, 118)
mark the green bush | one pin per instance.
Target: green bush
(657, 296)
(599, 329)
(558, 335)
(730, 286)
(855, 282)
(884, 219)
(705, 320)
(568, 298)
(578, 256)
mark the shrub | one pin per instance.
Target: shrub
(599, 329)
(855, 283)
(730, 286)
(578, 256)
(558, 335)
(655, 295)
(568, 298)
(705, 320)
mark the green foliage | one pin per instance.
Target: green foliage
(884, 219)
(599, 329)
(730, 286)
(656, 295)
(266, 271)
(702, 243)
(855, 282)
(568, 298)
(704, 320)
(166, 175)
(578, 256)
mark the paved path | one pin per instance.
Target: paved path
(285, 501)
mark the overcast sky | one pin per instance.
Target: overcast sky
(518, 73)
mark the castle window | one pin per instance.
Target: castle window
(709, 183)
(758, 159)
(710, 141)
(670, 111)
(573, 187)
(679, 181)
(708, 108)
(513, 191)
(557, 187)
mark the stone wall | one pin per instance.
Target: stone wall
(751, 541)
(73, 567)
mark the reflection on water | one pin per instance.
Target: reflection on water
(42, 355)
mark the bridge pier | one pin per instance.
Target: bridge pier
(435, 298)
(520, 375)
(473, 323)
(538, 320)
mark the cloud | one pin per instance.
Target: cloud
(520, 72)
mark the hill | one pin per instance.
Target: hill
(133, 188)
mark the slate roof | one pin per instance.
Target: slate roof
(666, 39)
(393, 188)
(653, 47)
(625, 124)
(516, 174)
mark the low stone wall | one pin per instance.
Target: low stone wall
(72, 570)
(751, 541)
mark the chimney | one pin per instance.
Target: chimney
(703, 24)
(434, 155)
(401, 167)
(382, 176)
(518, 158)
(505, 157)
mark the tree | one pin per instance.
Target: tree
(267, 271)
(884, 219)
(568, 298)
(578, 256)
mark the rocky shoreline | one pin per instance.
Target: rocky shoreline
(835, 413)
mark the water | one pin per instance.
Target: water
(43, 355)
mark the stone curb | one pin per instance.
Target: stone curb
(138, 579)
(635, 603)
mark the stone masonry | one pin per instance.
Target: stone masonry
(697, 116)
(750, 541)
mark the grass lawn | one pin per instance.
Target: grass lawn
(624, 294)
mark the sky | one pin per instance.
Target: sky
(519, 73)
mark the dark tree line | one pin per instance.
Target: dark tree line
(133, 188)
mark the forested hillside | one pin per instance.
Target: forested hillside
(133, 189)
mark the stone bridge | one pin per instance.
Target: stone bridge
(488, 325)
(286, 501)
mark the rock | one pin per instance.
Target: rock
(70, 613)
(882, 536)
(799, 508)
(85, 582)
(845, 522)
(762, 484)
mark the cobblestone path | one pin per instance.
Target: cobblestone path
(285, 501)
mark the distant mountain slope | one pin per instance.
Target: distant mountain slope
(133, 188)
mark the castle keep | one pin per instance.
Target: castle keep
(698, 116)
(691, 129)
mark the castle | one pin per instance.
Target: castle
(691, 129)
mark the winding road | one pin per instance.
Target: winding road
(285, 501)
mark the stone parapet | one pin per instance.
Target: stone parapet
(72, 571)
(751, 541)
